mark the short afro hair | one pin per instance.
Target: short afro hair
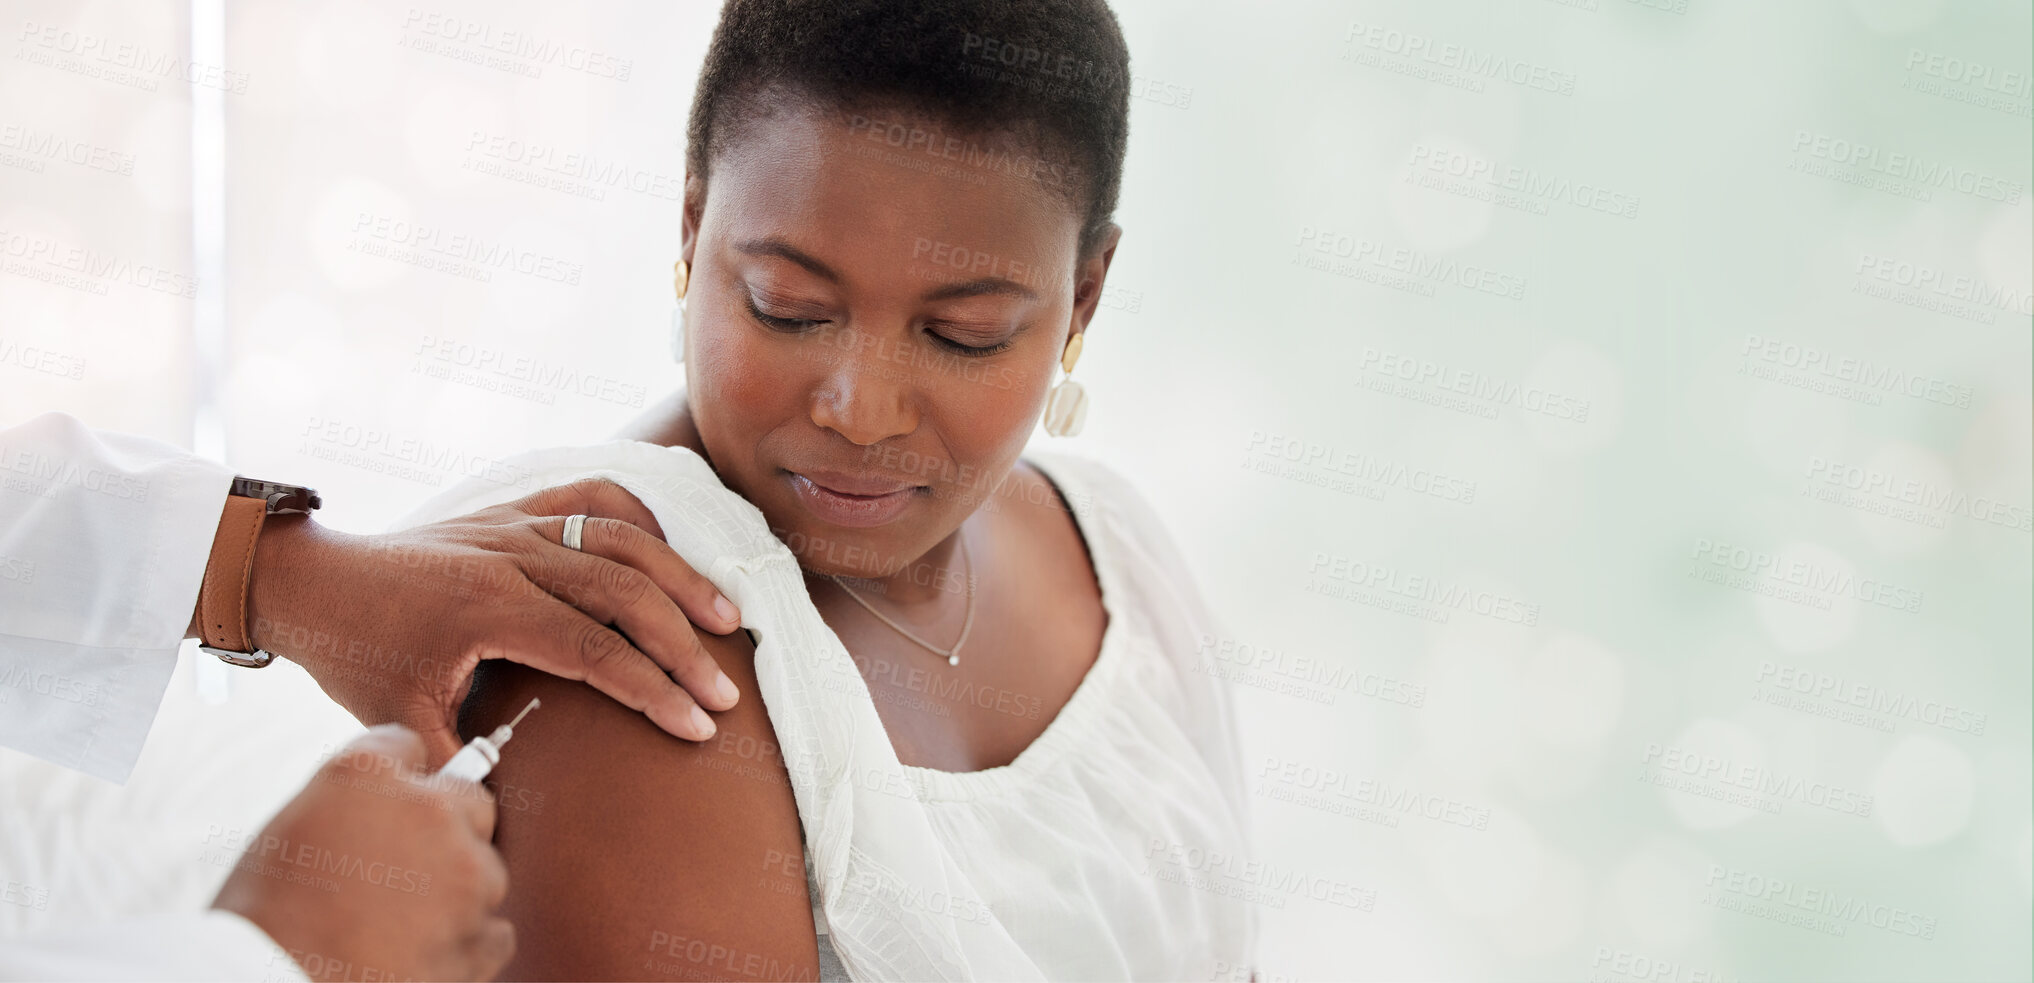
(1053, 72)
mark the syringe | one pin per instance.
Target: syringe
(478, 757)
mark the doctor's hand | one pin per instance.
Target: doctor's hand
(391, 626)
(378, 871)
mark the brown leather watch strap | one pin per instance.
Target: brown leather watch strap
(222, 601)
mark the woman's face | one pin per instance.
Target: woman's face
(873, 326)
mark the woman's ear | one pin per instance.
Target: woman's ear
(688, 219)
(1091, 273)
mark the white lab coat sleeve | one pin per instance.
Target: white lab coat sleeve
(207, 945)
(103, 543)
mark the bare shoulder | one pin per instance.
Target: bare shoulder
(1061, 491)
(1107, 502)
(633, 854)
(1033, 504)
(667, 423)
(1041, 518)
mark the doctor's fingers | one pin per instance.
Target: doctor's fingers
(489, 876)
(561, 640)
(590, 496)
(630, 545)
(471, 802)
(613, 591)
(390, 750)
(488, 950)
(622, 529)
(390, 761)
(467, 870)
(630, 534)
(437, 725)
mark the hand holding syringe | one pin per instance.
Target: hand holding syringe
(478, 757)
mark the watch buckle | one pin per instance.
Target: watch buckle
(257, 659)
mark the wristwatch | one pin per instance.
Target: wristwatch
(222, 600)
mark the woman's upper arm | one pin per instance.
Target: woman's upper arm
(633, 854)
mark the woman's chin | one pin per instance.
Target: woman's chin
(825, 550)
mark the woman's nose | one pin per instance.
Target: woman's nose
(865, 396)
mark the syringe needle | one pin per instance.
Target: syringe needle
(519, 717)
(478, 757)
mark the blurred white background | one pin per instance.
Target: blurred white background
(1686, 343)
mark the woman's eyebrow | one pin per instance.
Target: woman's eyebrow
(978, 287)
(772, 246)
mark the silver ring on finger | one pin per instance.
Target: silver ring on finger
(575, 529)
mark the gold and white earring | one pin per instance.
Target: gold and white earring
(681, 275)
(1066, 407)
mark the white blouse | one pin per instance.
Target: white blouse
(1115, 846)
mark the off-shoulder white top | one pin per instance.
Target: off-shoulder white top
(1115, 846)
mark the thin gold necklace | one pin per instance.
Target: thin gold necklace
(952, 654)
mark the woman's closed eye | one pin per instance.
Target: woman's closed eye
(966, 341)
(958, 340)
(778, 321)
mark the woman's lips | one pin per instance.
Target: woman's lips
(847, 500)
